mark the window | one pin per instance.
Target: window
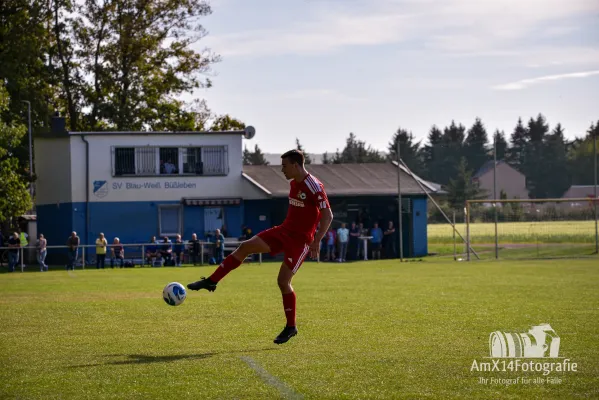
(215, 160)
(153, 161)
(169, 160)
(145, 160)
(169, 220)
(192, 160)
(124, 161)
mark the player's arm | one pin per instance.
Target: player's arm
(326, 217)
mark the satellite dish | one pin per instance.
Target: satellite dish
(249, 132)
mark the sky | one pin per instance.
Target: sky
(320, 69)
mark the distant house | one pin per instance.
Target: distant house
(580, 192)
(509, 180)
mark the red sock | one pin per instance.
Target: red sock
(289, 307)
(228, 265)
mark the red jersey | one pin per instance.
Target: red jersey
(306, 199)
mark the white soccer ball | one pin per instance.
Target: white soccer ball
(174, 294)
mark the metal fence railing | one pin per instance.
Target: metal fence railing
(133, 255)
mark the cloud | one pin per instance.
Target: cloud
(322, 27)
(524, 83)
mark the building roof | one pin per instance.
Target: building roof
(488, 166)
(579, 192)
(339, 179)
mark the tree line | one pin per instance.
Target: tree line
(451, 155)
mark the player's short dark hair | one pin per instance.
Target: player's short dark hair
(295, 156)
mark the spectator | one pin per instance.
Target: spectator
(117, 252)
(361, 232)
(168, 167)
(343, 238)
(179, 248)
(166, 249)
(246, 233)
(219, 246)
(152, 250)
(73, 249)
(42, 251)
(377, 238)
(13, 253)
(330, 238)
(194, 249)
(389, 241)
(354, 242)
(101, 244)
(224, 231)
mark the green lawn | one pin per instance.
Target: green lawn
(367, 330)
(517, 232)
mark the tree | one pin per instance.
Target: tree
(326, 159)
(227, 123)
(136, 57)
(355, 152)
(500, 142)
(475, 145)
(580, 157)
(535, 158)
(15, 199)
(537, 129)
(556, 177)
(432, 154)
(410, 150)
(452, 150)
(24, 71)
(254, 158)
(518, 145)
(462, 187)
(298, 146)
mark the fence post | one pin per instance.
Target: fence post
(143, 255)
(260, 258)
(82, 258)
(201, 253)
(22, 251)
(467, 217)
(454, 243)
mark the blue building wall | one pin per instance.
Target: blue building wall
(136, 222)
(131, 222)
(419, 227)
(253, 210)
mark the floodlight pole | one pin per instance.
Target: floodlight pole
(595, 200)
(30, 149)
(495, 193)
(400, 225)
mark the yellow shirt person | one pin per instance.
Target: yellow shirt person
(101, 244)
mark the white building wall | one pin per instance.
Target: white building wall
(152, 188)
(53, 170)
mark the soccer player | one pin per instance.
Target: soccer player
(296, 237)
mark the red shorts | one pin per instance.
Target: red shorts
(279, 240)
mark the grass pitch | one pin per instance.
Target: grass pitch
(517, 232)
(367, 330)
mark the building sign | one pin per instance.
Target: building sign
(137, 185)
(101, 188)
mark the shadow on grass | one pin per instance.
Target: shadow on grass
(149, 359)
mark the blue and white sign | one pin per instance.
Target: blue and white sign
(100, 189)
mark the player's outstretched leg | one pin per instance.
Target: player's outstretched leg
(233, 260)
(289, 302)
